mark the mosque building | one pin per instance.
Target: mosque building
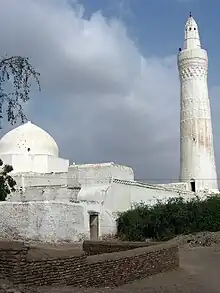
(58, 201)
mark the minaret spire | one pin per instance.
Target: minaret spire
(192, 39)
(197, 160)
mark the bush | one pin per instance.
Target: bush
(167, 219)
(7, 183)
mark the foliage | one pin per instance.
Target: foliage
(7, 183)
(16, 74)
(167, 219)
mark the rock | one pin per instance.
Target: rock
(198, 239)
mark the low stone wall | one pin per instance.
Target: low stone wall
(21, 264)
(100, 247)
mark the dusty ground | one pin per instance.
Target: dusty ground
(199, 272)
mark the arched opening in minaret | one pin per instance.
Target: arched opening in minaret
(193, 185)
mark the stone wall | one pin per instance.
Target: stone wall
(21, 264)
(45, 221)
(100, 247)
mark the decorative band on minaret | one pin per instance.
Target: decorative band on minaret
(197, 161)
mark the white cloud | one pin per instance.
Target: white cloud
(104, 100)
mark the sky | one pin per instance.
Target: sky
(109, 78)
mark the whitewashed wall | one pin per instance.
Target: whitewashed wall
(35, 163)
(42, 221)
(184, 186)
(88, 174)
(123, 194)
(107, 224)
(39, 187)
(41, 180)
(54, 193)
(115, 196)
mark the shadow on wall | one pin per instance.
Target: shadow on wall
(22, 264)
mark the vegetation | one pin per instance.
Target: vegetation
(7, 183)
(167, 219)
(16, 75)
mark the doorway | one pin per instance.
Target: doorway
(94, 226)
(193, 185)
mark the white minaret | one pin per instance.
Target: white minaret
(197, 161)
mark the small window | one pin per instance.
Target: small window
(190, 29)
(28, 149)
(194, 28)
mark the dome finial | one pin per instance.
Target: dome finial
(190, 14)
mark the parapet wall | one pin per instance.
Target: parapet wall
(20, 265)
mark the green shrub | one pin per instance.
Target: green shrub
(164, 220)
(7, 183)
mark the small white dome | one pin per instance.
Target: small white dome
(28, 139)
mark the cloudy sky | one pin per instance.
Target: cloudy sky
(110, 88)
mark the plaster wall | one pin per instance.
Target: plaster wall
(93, 198)
(35, 163)
(94, 193)
(196, 141)
(37, 180)
(42, 221)
(119, 195)
(54, 193)
(98, 173)
(57, 164)
(184, 186)
(122, 195)
(7, 159)
(53, 221)
(34, 186)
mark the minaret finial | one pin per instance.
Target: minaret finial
(192, 39)
(190, 14)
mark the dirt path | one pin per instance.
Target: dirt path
(199, 272)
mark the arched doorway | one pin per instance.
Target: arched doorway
(193, 185)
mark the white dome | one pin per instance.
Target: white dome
(28, 139)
